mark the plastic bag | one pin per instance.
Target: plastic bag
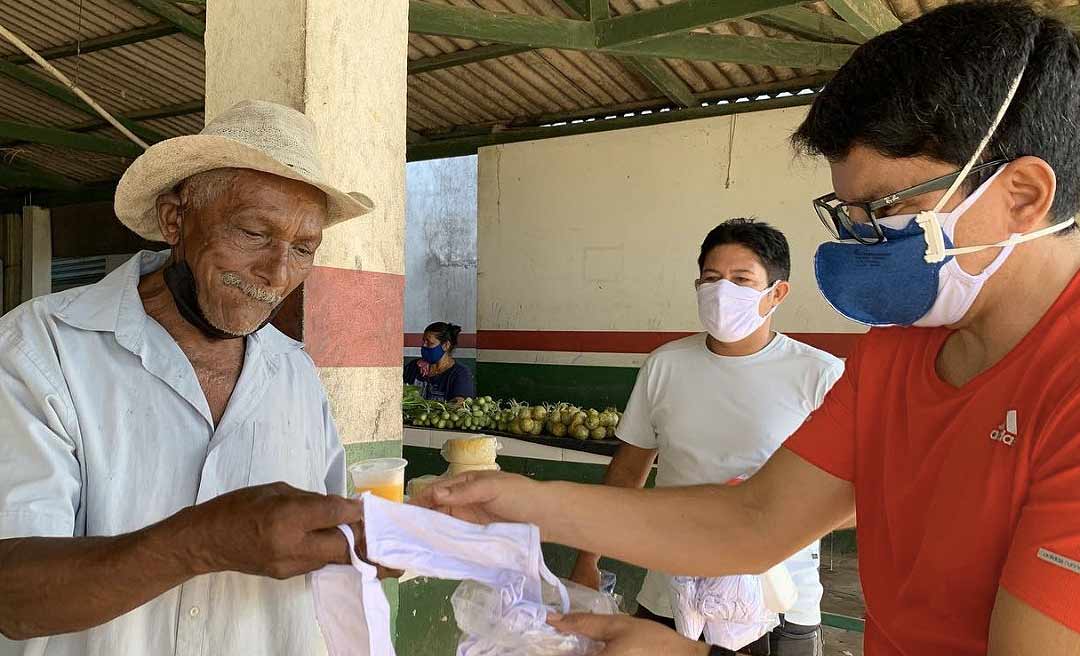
(491, 629)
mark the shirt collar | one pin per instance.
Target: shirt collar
(114, 305)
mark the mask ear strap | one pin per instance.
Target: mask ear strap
(564, 596)
(1014, 240)
(928, 219)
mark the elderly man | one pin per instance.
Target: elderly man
(168, 463)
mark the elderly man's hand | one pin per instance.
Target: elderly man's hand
(628, 636)
(271, 530)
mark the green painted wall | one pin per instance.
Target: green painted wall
(594, 387)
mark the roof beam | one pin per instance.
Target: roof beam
(482, 25)
(653, 70)
(454, 147)
(462, 57)
(26, 176)
(67, 139)
(808, 24)
(677, 18)
(537, 32)
(57, 92)
(869, 17)
(187, 23)
(136, 35)
(661, 77)
(743, 50)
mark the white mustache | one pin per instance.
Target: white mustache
(251, 290)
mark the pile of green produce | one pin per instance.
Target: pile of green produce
(515, 418)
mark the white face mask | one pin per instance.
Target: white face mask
(729, 312)
(351, 607)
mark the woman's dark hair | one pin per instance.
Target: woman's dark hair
(768, 243)
(932, 87)
(445, 332)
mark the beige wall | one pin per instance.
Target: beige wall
(601, 232)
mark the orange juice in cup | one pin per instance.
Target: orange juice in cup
(383, 477)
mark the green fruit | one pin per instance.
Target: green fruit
(592, 423)
(527, 425)
(558, 430)
(579, 432)
(598, 433)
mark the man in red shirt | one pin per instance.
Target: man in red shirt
(954, 143)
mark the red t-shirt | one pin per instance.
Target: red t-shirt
(958, 490)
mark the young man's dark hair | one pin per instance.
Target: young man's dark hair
(933, 88)
(768, 243)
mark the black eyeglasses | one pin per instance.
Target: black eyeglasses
(859, 219)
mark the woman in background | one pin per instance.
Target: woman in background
(436, 373)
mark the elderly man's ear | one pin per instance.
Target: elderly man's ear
(169, 218)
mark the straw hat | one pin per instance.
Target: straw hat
(253, 134)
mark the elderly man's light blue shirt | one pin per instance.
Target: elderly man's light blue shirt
(104, 430)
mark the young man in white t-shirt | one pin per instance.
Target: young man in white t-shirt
(715, 406)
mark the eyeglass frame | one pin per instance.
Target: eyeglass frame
(871, 207)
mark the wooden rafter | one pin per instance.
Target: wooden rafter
(57, 92)
(807, 24)
(67, 139)
(869, 17)
(185, 22)
(678, 18)
(137, 35)
(544, 32)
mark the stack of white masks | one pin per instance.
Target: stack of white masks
(730, 610)
(500, 608)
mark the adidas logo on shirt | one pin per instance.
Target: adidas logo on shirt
(1006, 431)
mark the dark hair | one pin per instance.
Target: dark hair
(768, 243)
(933, 86)
(445, 332)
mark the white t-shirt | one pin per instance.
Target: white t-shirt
(714, 418)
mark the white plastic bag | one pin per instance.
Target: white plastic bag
(730, 610)
(489, 628)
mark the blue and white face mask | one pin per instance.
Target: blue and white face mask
(912, 276)
(890, 283)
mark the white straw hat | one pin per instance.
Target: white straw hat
(253, 134)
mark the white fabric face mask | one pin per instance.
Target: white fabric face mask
(729, 312)
(504, 557)
(730, 610)
(351, 607)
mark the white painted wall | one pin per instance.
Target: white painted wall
(601, 232)
(440, 243)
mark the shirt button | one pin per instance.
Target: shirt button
(194, 612)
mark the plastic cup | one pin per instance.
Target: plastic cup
(383, 477)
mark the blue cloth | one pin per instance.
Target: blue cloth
(106, 430)
(455, 382)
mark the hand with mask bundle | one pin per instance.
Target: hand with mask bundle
(272, 530)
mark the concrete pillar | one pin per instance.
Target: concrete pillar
(343, 64)
(36, 252)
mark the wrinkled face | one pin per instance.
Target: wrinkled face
(249, 247)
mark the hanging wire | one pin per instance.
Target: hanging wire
(78, 44)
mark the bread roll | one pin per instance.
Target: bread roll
(470, 450)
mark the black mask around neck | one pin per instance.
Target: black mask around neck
(181, 283)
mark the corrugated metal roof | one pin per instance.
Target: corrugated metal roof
(527, 88)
